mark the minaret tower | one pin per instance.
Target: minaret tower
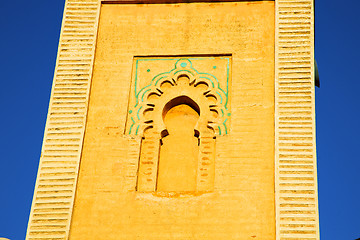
(173, 119)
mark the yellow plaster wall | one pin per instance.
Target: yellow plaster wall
(242, 204)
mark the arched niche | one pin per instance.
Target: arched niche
(177, 151)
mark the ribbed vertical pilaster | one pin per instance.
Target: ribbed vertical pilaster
(295, 151)
(60, 157)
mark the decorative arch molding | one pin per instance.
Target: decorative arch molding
(182, 80)
(181, 85)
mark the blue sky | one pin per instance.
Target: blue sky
(29, 33)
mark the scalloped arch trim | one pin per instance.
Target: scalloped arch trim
(203, 88)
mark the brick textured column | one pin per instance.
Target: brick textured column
(65, 125)
(295, 151)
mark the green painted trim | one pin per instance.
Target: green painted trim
(221, 99)
(212, 82)
(132, 119)
(227, 81)
(136, 70)
(142, 97)
(137, 129)
(179, 59)
(155, 80)
(183, 70)
(159, 80)
(225, 126)
(137, 114)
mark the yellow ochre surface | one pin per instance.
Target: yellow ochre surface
(241, 205)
